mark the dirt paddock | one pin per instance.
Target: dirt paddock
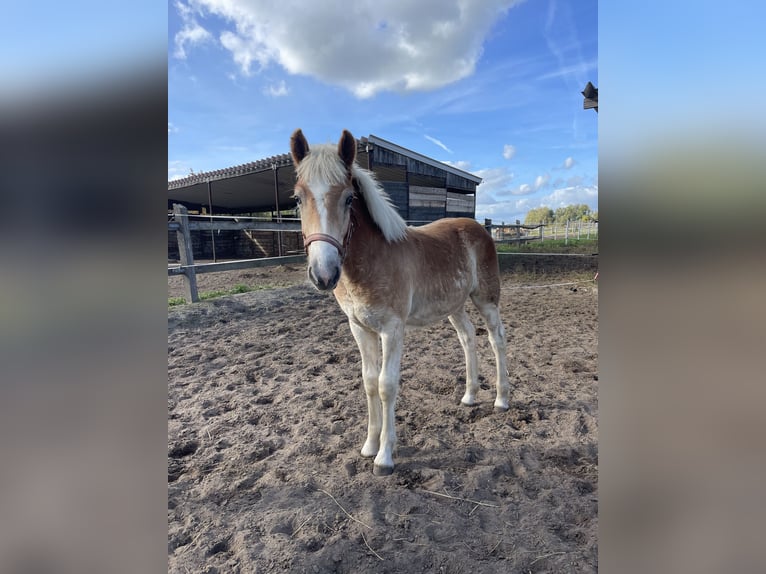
(267, 416)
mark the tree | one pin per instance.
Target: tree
(538, 215)
(572, 213)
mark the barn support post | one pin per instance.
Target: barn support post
(185, 252)
(210, 208)
(276, 202)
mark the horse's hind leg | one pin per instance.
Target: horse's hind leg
(491, 314)
(467, 336)
(369, 348)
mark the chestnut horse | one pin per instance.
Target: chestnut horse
(387, 275)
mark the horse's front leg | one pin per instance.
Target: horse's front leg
(388, 389)
(369, 348)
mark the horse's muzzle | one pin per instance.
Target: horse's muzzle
(324, 260)
(324, 283)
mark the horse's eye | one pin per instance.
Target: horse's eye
(349, 200)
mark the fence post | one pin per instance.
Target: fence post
(566, 234)
(542, 226)
(579, 228)
(590, 224)
(185, 252)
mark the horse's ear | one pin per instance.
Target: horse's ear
(299, 147)
(347, 148)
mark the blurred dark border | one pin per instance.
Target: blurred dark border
(83, 415)
(682, 198)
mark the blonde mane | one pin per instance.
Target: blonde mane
(324, 163)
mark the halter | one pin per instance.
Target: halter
(341, 247)
(308, 240)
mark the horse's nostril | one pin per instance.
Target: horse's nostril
(323, 283)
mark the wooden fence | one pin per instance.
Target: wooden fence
(183, 227)
(521, 233)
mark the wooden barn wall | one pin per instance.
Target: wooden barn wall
(399, 194)
(460, 203)
(240, 244)
(385, 156)
(427, 203)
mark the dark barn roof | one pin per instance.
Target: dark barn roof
(590, 93)
(250, 187)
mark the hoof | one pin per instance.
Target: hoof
(501, 408)
(382, 470)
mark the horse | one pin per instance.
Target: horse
(386, 275)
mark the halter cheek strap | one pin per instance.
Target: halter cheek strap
(308, 240)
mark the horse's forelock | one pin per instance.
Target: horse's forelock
(323, 164)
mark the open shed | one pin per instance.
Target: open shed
(423, 189)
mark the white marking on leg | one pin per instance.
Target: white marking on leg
(388, 388)
(467, 337)
(496, 332)
(368, 344)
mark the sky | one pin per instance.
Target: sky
(489, 86)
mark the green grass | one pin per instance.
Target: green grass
(551, 246)
(238, 288)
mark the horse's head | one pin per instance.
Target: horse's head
(324, 192)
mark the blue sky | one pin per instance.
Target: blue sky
(494, 89)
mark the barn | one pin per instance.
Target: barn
(422, 188)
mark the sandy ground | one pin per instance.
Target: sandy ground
(267, 416)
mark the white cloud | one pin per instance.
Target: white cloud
(460, 164)
(513, 209)
(541, 181)
(572, 195)
(437, 142)
(277, 90)
(568, 163)
(415, 45)
(178, 170)
(509, 151)
(495, 183)
(191, 33)
(171, 128)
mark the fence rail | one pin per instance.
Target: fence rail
(183, 224)
(522, 233)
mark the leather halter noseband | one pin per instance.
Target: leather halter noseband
(308, 240)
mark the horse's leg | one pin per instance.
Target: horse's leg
(388, 388)
(491, 314)
(369, 348)
(467, 336)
